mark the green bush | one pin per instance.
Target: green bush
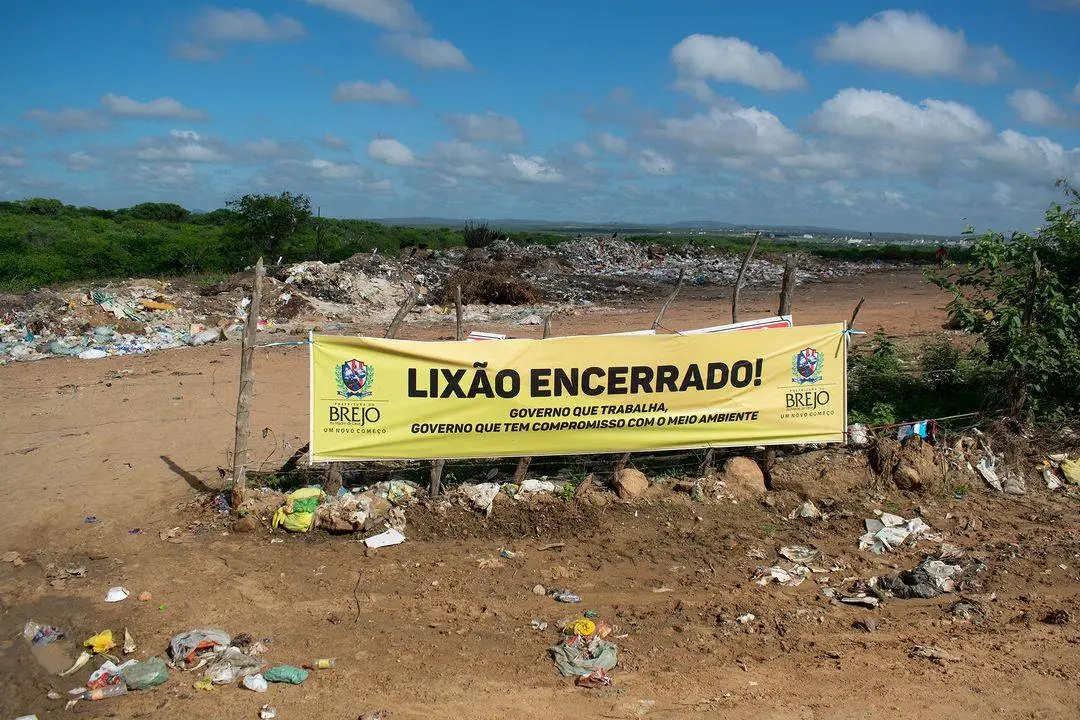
(1020, 296)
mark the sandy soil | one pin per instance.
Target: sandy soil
(422, 630)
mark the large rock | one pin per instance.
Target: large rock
(630, 483)
(742, 475)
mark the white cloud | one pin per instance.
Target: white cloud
(880, 115)
(196, 52)
(612, 143)
(68, 119)
(654, 163)
(185, 146)
(622, 95)
(390, 152)
(428, 52)
(535, 169)
(333, 142)
(582, 149)
(1075, 94)
(489, 127)
(912, 43)
(387, 14)
(164, 107)
(169, 174)
(729, 59)
(740, 131)
(243, 25)
(1035, 157)
(1035, 107)
(328, 170)
(462, 159)
(12, 158)
(79, 162)
(384, 92)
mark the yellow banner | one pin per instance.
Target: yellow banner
(400, 399)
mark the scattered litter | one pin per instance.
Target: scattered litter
(482, 495)
(923, 428)
(988, 473)
(597, 678)
(194, 647)
(663, 590)
(145, 596)
(890, 531)
(930, 579)
(746, 618)
(285, 674)
(116, 594)
(255, 682)
(297, 513)
(101, 643)
(539, 625)
(267, 712)
(203, 683)
(84, 657)
(858, 435)
(564, 596)
(41, 635)
(90, 519)
(551, 546)
(579, 655)
(129, 643)
(801, 554)
(146, 674)
(1071, 470)
(537, 486)
(384, 539)
(784, 577)
(105, 692)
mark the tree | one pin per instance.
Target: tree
(265, 223)
(168, 212)
(1021, 296)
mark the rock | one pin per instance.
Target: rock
(630, 483)
(743, 475)
(907, 478)
(247, 524)
(807, 510)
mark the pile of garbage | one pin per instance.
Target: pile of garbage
(223, 660)
(584, 652)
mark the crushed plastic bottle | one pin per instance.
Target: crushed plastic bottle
(567, 597)
(105, 692)
(321, 664)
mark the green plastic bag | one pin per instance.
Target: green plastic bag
(146, 674)
(286, 674)
(298, 512)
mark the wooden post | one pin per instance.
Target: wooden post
(621, 463)
(855, 313)
(435, 486)
(459, 332)
(671, 298)
(243, 399)
(787, 286)
(523, 463)
(739, 278)
(406, 306)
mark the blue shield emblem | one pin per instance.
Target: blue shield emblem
(354, 377)
(806, 366)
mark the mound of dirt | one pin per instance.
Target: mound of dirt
(487, 287)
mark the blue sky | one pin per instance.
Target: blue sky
(920, 117)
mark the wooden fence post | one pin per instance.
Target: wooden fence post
(739, 279)
(671, 298)
(787, 286)
(435, 484)
(243, 398)
(523, 463)
(459, 332)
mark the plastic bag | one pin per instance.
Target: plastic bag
(286, 674)
(298, 512)
(146, 674)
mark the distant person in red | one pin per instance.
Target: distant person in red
(941, 255)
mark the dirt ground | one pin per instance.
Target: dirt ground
(421, 629)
